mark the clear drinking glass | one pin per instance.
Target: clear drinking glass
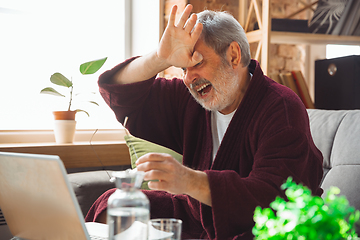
(165, 229)
(128, 207)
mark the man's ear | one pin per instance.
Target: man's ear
(234, 54)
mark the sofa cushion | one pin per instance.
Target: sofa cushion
(139, 147)
(346, 147)
(88, 186)
(337, 134)
(324, 125)
(345, 159)
(347, 179)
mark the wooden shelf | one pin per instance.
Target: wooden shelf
(314, 43)
(303, 38)
(79, 154)
(264, 36)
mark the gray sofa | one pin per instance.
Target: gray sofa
(88, 186)
(335, 133)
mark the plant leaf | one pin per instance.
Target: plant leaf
(51, 91)
(92, 67)
(94, 103)
(79, 110)
(61, 80)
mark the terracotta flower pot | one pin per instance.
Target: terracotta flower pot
(64, 115)
(65, 126)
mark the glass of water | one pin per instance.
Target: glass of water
(165, 229)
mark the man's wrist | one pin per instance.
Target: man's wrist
(159, 61)
(199, 187)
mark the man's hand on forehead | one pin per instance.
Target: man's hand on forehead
(177, 44)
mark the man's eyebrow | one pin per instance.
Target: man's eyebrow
(184, 68)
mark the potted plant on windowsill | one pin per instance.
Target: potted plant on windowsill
(307, 217)
(65, 123)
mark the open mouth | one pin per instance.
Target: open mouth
(204, 89)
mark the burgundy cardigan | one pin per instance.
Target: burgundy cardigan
(267, 141)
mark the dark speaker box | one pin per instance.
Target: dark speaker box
(337, 83)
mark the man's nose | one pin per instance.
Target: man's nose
(190, 76)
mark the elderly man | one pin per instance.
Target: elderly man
(240, 133)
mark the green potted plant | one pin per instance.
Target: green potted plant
(303, 216)
(65, 120)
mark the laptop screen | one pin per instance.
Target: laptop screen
(36, 198)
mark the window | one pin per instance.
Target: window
(334, 51)
(41, 37)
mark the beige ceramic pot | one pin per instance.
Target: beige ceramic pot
(65, 126)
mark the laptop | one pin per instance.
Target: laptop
(38, 201)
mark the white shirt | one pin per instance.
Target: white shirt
(219, 124)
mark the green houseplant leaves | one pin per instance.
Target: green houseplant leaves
(92, 67)
(60, 80)
(304, 216)
(52, 91)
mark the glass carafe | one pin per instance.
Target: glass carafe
(128, 208)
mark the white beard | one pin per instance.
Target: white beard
(225, 89)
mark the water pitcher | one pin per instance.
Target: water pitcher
(128, 208)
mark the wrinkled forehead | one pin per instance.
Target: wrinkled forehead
(208, 53)
(203, 48)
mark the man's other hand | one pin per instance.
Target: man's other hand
(174, 177)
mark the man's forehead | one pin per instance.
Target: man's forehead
(204, 49)
(200, 43)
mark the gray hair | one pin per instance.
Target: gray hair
(219, 30)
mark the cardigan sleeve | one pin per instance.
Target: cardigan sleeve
(151, 116)
(121, 98)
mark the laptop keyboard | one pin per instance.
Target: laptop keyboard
(98, 238)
